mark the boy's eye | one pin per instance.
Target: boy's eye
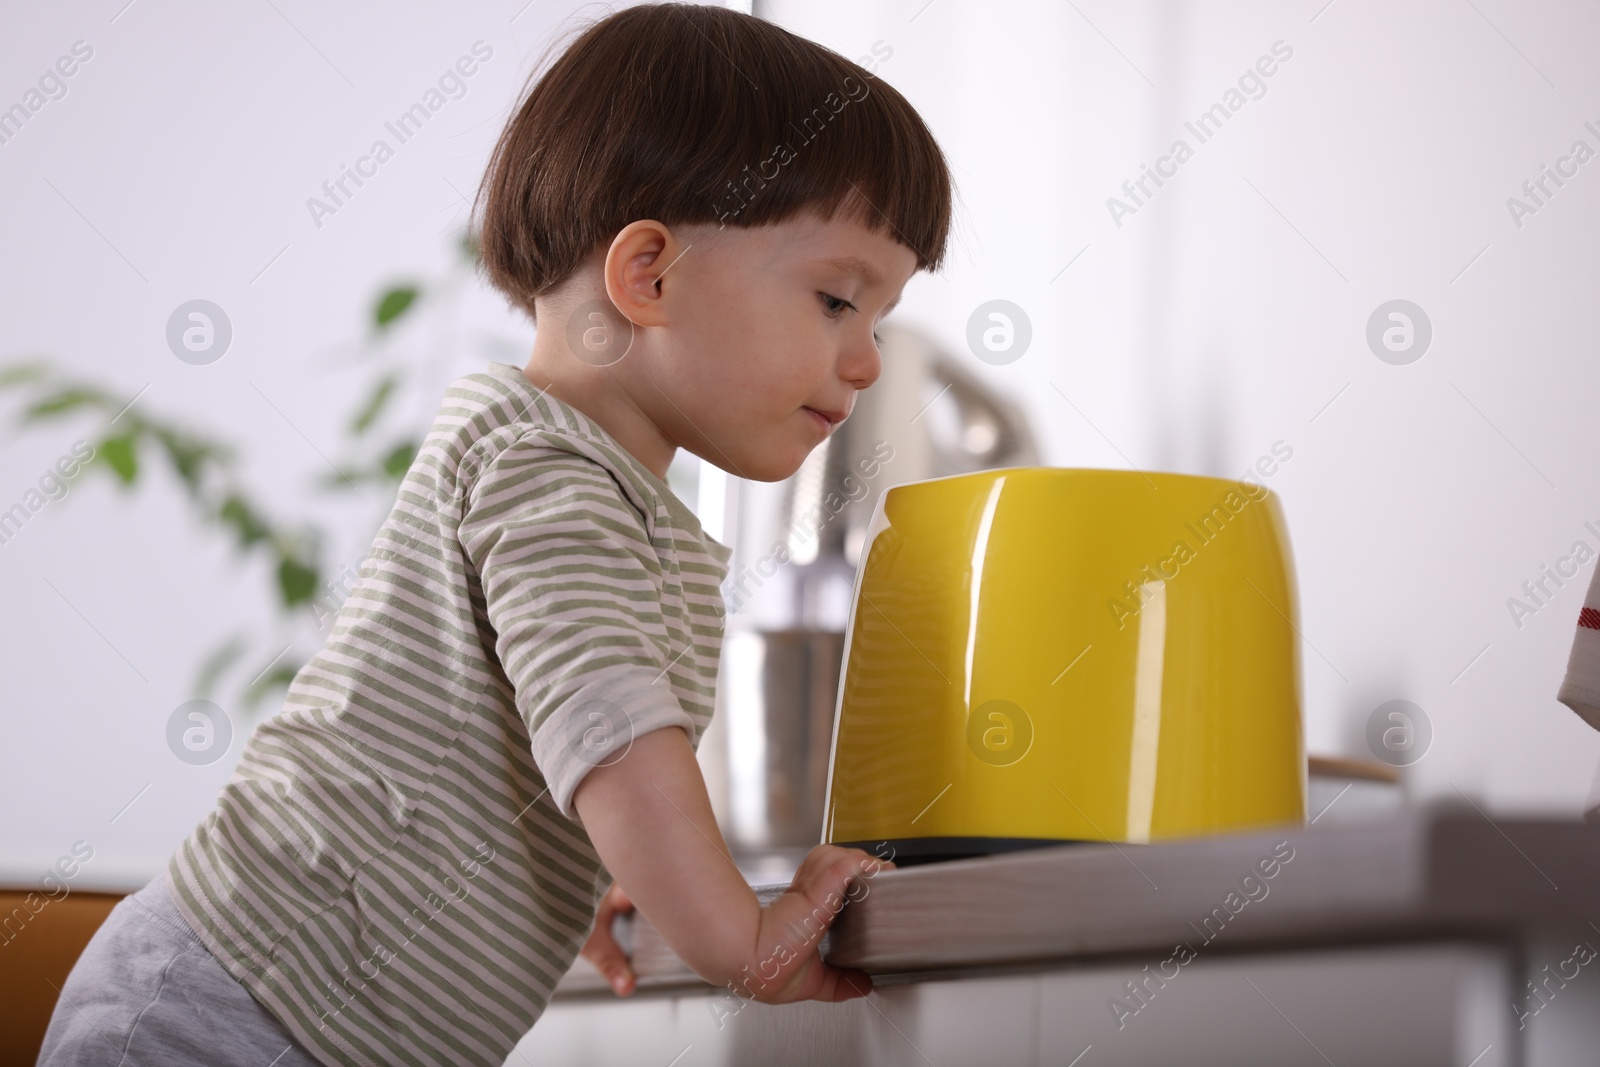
(834, 304)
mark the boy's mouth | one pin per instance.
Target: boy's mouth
(832, 418)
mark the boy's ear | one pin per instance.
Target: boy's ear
(634, 267)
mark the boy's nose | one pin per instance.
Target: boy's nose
(861, 364)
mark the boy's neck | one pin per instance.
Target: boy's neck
(597, 392)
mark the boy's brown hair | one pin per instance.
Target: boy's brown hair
(686, 114)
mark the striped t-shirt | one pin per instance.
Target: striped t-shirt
(395, 869)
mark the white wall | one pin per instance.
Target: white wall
(1202, 330)
(177, 166)
(1227, 312)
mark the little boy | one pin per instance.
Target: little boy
(705, 215)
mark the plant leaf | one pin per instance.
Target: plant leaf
(59, 402)
(278, 677)
(186, 454)
(215, 664)
(296, 581)
(336, 480)
(399, 459)
(374, 405)
(393, 304)
(236, 512)
(18, 373)
(120, 455)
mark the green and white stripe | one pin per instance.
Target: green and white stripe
(395, 868)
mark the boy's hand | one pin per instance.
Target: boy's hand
(650, 820)
(789, 965)
(602, 949)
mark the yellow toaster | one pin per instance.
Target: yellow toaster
(1037, 655)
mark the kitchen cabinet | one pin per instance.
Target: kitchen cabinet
(1438, 936)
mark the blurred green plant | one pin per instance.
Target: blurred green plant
(210, 473)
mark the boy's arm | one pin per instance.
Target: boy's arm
(649, 817)
(650, 820)
(564, 564)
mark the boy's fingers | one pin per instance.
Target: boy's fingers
(851, 985)
(607, 957)
(858, 866)
(603, 950)
(817, 893)
(839, 865)
(829, 871)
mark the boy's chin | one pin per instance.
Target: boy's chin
(772, 463)
(770, 468)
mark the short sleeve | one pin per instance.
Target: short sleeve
(573, 590)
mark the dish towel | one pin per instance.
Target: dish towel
(1580, 689)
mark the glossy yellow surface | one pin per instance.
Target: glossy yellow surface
(1070, 654)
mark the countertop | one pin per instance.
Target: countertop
(1445, 871)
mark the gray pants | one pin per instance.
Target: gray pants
(147, 993)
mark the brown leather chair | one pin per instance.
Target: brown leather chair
(38, 946)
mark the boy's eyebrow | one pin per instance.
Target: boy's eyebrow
(859, 266)
(852, 265)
